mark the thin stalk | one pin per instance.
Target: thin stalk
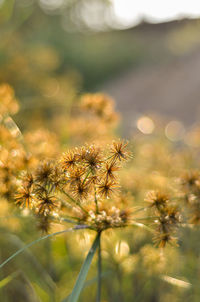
(138, 210)
(74, 201)
(86, 176)
(96, 202)
(146, 218)
(141, 225)
(58, 219)
(83, 273)
(68, 218)
(99, 265)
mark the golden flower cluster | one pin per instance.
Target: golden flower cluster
(82, 185)
(100, 105)
(167, 217)
(95, 111)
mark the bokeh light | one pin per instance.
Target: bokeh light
(145, 125)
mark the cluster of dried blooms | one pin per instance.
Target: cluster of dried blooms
(95, 111)
(18, 153)
(81, 185)
(190, 192)
(167, 217)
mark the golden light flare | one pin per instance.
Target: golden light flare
(146, 125)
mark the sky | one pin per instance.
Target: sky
(130, 12)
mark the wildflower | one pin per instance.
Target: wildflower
(162, 239)
(189, 178)
(43, 172)
(69, 160)
(110, 169)
(156, 199)
(174, 215)
(119, 152)
(80, 190)
(57, 177)
(93, 158)
(76, 174)
(46, 203)
(97, 103)
(28, 180)
(107, 188)
(24, 197)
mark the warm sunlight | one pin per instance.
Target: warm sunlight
(130, 12)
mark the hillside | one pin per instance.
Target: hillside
(168, 87)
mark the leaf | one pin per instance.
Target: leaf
(90, 282)
(83, 272)
(78, 227)
(6, 280)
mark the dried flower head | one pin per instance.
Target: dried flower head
(43, 172)
(80, 190)
(107, 188)
(24, 197)
(110, 169)
(69, 160)
(167, 217)
(46, 203)
(119, 151)
(156, 199)
(92, 158)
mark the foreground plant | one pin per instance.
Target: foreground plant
(80, 188)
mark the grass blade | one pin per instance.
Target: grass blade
(83, 272)
(90, 282)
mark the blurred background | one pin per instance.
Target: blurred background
(145, 54)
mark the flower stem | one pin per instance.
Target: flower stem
(98, 297)
(86, 176)
(96, 202)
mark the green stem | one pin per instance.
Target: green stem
(83, 272)
(138, 210)
(141, 225)
(86, 176)
(98, 298)
(146, 218)
(96, 202)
